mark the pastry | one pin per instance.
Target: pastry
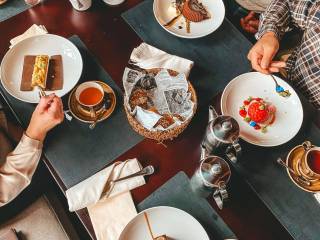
(165, 121)
(40, 71)
(194, 11)
(138, 97)
(258, 113)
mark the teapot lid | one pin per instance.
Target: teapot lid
(214, 170)
(226, 129)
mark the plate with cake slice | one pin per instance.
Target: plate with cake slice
(189, 18)
(265, 118)
(163, 223)
(48, 63)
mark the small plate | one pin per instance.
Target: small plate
(83, 115)
(173, 222)
(48, 44)
(164, 12)
(289, 114)
(293, 160)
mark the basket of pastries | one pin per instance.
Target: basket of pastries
(159, 103)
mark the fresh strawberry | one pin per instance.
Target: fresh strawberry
(258, 112)
(243, 113)
(258, 99)
(246, 102)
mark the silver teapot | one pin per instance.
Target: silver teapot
(222, 135)
(212, 177)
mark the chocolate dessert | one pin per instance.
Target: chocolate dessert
(194, 11)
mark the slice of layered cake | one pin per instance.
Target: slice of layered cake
(194, 11)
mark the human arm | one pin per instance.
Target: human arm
(275, 19)
(19, 166)
(273, 23)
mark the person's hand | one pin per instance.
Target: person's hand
(250, 23)
(46, 116)
(262, 53)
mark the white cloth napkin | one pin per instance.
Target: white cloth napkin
(34, 30)
(110, 216)
(90, 191)
(147, 57)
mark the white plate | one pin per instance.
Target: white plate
(173, 222)
(164, 12)
(289, 114)
(49, 44)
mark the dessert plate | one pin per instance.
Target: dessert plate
(169, 221)
(47, 44)
(288, 116)
(164, 12)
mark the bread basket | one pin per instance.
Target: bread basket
(162, 135)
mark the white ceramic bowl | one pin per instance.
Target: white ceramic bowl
(289, 114)
(164, 12)
(48, 44)
(173, 222)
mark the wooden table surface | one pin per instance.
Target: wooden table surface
(111, 40)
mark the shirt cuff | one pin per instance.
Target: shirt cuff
(27, 141)
(268, 28)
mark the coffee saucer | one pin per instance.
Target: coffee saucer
(293, 160)
(84, 115)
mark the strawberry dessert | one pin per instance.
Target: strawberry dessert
(258, 113)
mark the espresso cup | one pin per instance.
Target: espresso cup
(90, 96)
(311, 161)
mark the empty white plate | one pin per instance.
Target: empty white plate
(173, 222)
(164, 12)
(48, 44)
(289, 114)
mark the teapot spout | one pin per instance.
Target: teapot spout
(212, 113)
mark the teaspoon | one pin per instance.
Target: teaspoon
(300, 178)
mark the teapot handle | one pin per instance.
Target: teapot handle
(220, 195)
(203, 153)
(234, 151)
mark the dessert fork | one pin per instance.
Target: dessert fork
(280, 90)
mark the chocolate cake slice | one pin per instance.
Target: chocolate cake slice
(194, 11)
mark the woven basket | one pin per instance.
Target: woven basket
(165, 134)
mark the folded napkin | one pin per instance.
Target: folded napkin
(110, 216)
(147, 57)
(34, 30)
(91, 190)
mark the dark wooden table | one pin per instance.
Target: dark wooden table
(111, 40)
